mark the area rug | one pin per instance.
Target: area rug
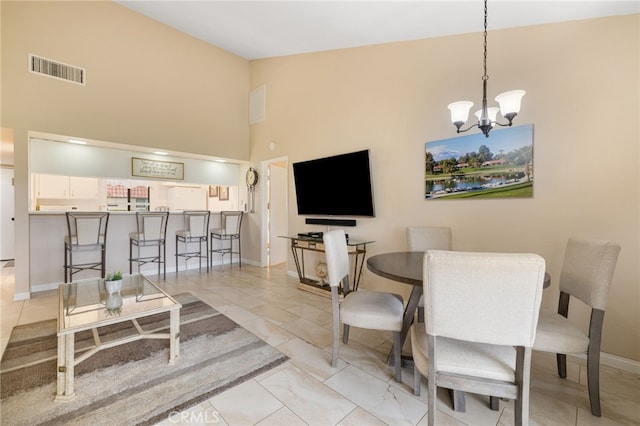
(133, 383)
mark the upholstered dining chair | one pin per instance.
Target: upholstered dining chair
(229, 230)
(423, 238)
(365, 309)
(587, 272)
(481, 311)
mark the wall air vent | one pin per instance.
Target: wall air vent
(51, 68)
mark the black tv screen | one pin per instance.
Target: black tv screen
(335, 186)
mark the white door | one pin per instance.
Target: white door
(277, 216)
(7, 227)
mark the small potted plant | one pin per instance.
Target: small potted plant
(113, 282)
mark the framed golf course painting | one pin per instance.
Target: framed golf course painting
(474, 166)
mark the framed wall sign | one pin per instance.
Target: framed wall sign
(223, 193)
(213, 191)
(157, 169)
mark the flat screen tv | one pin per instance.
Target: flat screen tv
(335, 186)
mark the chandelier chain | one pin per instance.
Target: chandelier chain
(485, 76)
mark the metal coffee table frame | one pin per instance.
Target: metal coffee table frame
(83, 306)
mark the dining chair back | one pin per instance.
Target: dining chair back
(423, 238)
(587, 273)
(481, 311)
(86, 232)
(365, 309)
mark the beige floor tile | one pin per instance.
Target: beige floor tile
(312, 314)
(245, 404)
(361, 417)
(311, 359)
(390, 404)
(309, 332)
(314, 402)
(282, 417)
(274, 314)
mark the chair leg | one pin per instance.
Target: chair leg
(561, 360)
(164, 258)
(494, 403)
(104, 261)
(417, 376)
(420, 314)
(397, 355)
(177, 256)
(65, 264)
(239, 253)
(130, 256)
(593, 360)
(345, 334)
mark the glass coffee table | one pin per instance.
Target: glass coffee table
(87, 305)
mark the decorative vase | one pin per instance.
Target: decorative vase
(113, 287)
(321, 272)
(114, 301)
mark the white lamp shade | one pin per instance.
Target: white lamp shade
(492, 112)
(510, 101)
(460, 111)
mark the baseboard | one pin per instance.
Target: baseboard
(21, 296)
(613, 361)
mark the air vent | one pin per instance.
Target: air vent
(58, 70)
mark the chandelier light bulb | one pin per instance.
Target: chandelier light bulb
(460, 111)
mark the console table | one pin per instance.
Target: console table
(356, 248)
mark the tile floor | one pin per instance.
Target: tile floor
(361, 390)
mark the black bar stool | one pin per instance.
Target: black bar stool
(196, 226)
(86, 232)
(230, 224)
(151, 232)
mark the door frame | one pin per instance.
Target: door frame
(264, 203)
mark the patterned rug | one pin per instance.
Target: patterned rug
(133, 383)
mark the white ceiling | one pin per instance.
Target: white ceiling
(263, 29)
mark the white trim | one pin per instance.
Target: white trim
(21, 296)
(613, 361)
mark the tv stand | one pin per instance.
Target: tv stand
(356, 248)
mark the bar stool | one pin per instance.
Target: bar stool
(230, 223)
(196, 226)
(86, 232)
(151, 232)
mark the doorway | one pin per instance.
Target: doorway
(7, 213)
(276, 210)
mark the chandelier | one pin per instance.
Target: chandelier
(487, 117)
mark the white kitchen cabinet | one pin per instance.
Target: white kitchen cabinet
(83, 188)
(67, 187)
(53, 186)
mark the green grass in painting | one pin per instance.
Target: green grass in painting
(514, 191)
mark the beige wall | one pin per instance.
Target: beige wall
(582, 96)
(147, 84)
